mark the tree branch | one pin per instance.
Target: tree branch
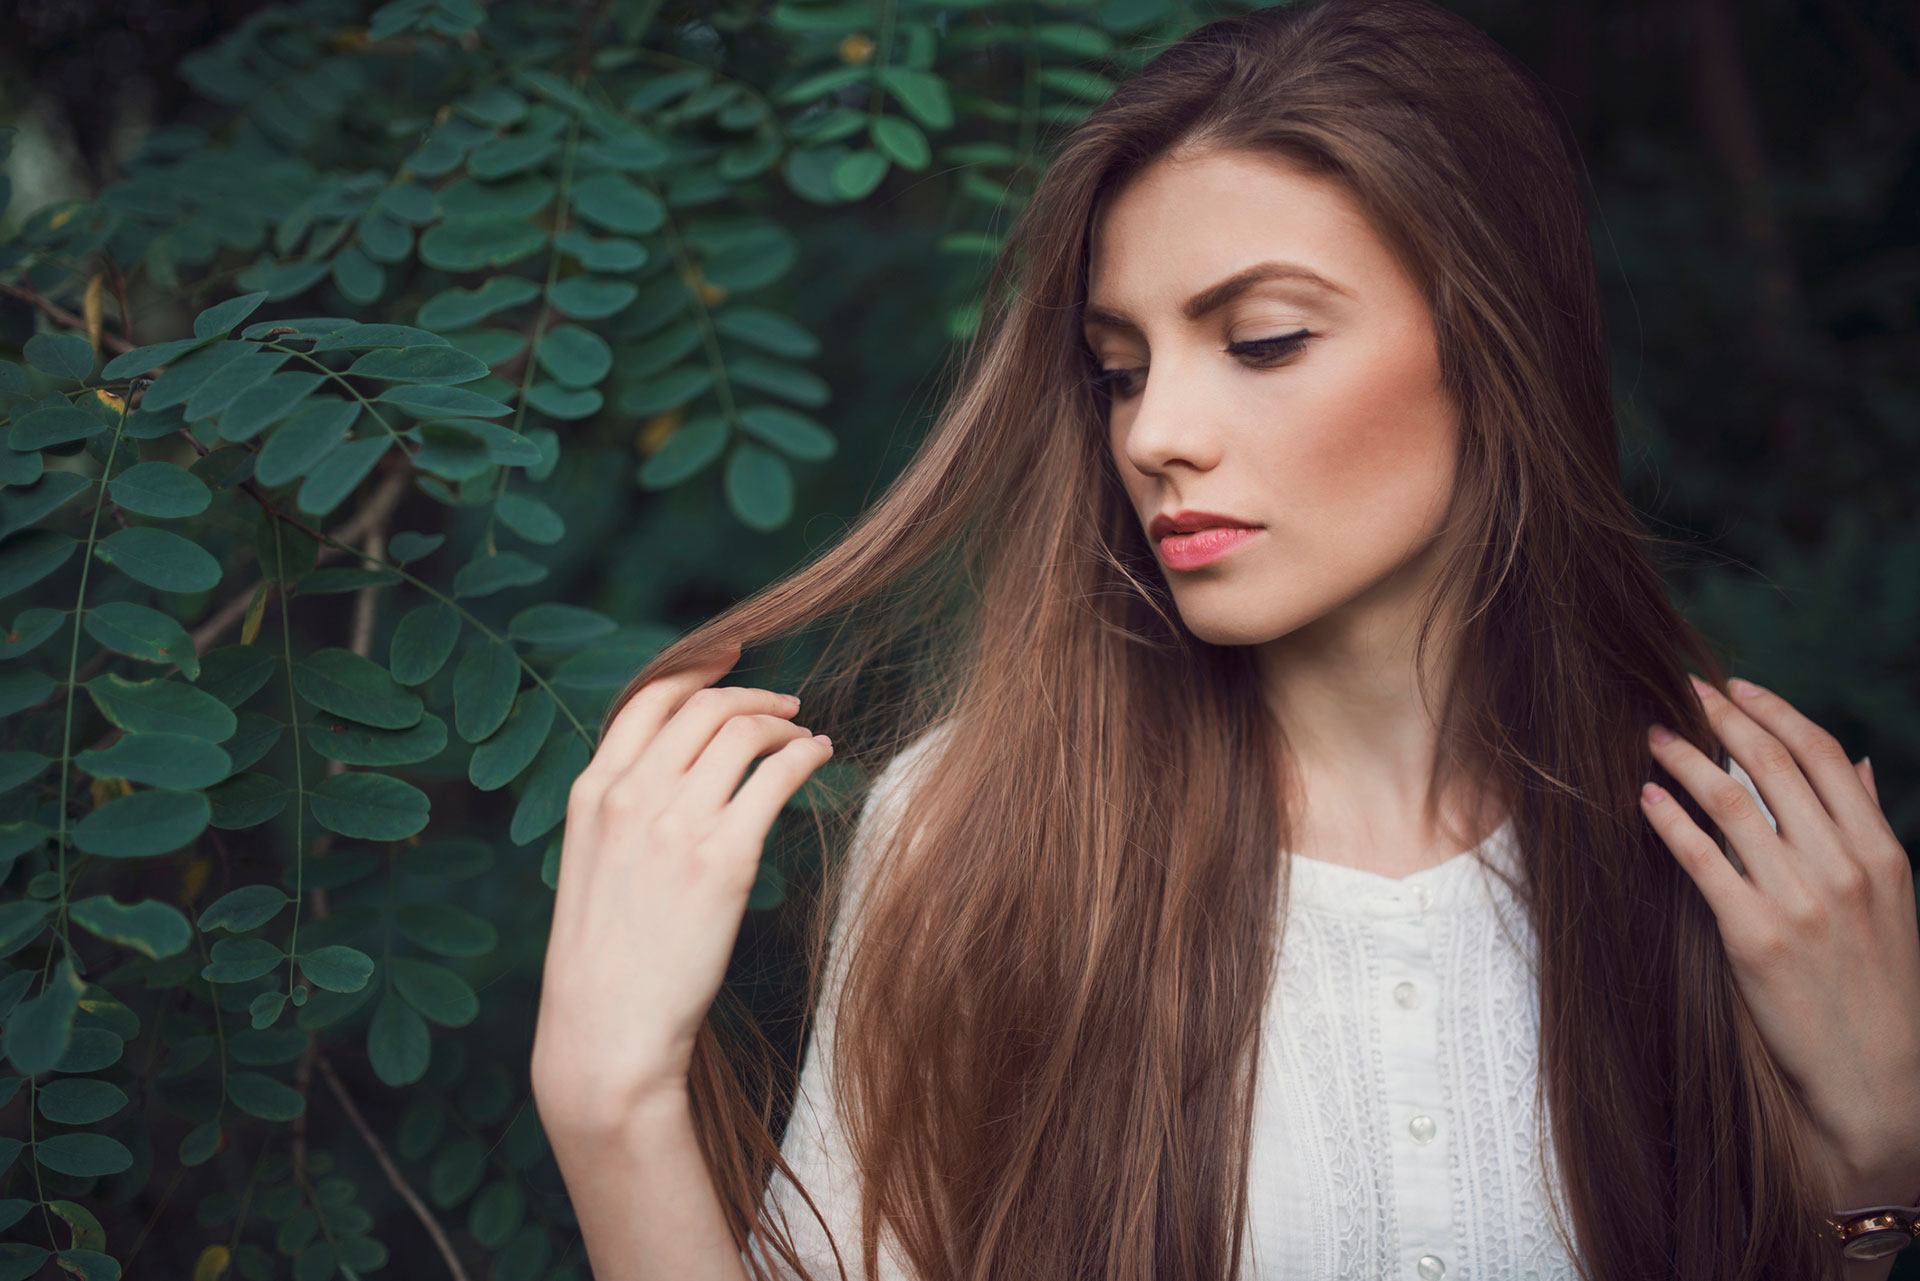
(373, 514)
(62, 315)
(397, 1179)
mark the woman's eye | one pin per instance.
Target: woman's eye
(1261, 351)
(1281, 345)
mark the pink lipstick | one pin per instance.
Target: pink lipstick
(1190, 539)
(1191, 551)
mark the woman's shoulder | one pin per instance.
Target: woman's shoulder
(887, 801)
(896, 781)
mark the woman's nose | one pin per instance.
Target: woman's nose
(1171, 420)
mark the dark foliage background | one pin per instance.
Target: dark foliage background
(351, 1096)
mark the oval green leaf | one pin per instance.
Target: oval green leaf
(155, 929)
(344, 683)
(372, 807)
(399, 1044)
(156, 821)
(160, 489)
(759, 487)
(247, 908)
(160, 558)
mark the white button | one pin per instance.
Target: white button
(1406, 993)
(1429, 1267)
(1422, 1129)
(1424, 896)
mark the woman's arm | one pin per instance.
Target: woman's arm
(659, 854)
(631, 1157)
(1819, 923)
(1868, 1269)
(644, 1197)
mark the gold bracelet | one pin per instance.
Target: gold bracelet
(1876, 1231)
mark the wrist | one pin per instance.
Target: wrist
(601, 1116)
(1883, 1174)
(1869, 1240)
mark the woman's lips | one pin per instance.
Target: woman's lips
(1190, 551)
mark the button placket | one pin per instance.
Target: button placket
(1411, 1053)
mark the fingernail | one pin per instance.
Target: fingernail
(1653, 792)
(822, 738)
(1745, 689)
(793, 700)
(1661, 734)
(1699, 684)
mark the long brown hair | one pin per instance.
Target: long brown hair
(1045, 1039)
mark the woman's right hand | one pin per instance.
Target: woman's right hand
(657, 859)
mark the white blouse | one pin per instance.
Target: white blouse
(1394, 1129)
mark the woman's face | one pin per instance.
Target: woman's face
(1312, 412)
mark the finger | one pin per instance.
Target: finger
(672, 751)
(1865, 768)
(1731, 806)
(1844, 797)
(749, 816)
(1778, 772)
(640, 718)
(1727, 892)
(718, 770)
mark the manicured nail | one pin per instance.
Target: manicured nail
(1661, 734)
(1653, 793)
(1745, 689)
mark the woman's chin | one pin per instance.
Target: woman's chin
(1229, 627)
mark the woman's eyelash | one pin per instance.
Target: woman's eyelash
(1103, 380)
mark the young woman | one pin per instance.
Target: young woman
(1267, 886)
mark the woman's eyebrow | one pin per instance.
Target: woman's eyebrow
(1215, 296)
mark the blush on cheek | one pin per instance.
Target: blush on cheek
(1376, 466)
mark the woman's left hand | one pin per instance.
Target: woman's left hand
(1820, 930)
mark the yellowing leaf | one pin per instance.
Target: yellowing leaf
(856, 49)
(87, 1232)
(708, 293)
(212, 1263)
(255, 612)
(107, 398)
(658, 428)
(195, 878)
(91, 306)
(107, 789)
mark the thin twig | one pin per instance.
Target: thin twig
(61, 314)
(372, 514)
(398, 1180)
